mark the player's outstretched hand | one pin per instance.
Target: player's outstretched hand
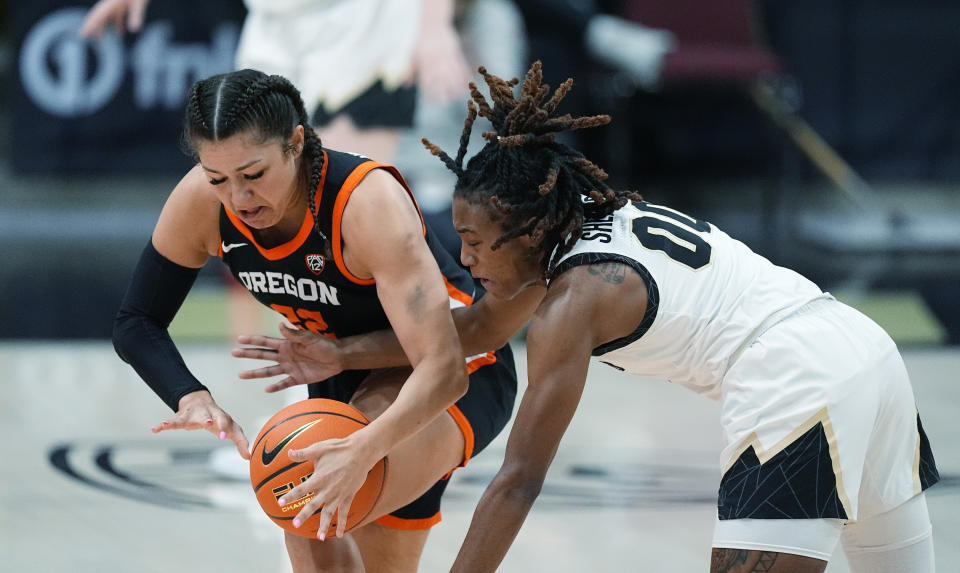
(199, 411)
(121, 14)
(301, 355)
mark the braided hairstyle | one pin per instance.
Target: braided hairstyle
(267, 107)
(530, 183)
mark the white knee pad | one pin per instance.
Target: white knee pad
(892, 542)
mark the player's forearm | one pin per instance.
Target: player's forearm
(436, 13)
(435, 384)
(381, 349)
(496, 522)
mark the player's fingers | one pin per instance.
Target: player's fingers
(135, 15)
(254, 353)
(265, 372)
(302, 490)
(294, 334)
(281, 385)
(342, 512)
(259, 340)
(94, 24)
(157, 428)
(309, 453)
(118, 23)
(237, 436)
(180, 421)
(312, 506)
(326, 517)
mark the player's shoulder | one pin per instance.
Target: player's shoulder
(189, 221)
(194, 191)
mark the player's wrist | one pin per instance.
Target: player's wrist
(193, 398)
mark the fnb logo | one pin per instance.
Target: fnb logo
(315, 263)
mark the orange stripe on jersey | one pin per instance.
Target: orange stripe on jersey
(394, 522)
(318, 192)
(288, 248)
(475, 364)
(457, 294)
(343, 196)
(467, 430)
(280, 251)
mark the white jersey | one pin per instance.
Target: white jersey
(709, 294)
(332, 50)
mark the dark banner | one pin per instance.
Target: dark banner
(113, 104)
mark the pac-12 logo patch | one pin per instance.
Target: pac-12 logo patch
(315, 263)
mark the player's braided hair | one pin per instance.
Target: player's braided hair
(531, 183)
(248, 101)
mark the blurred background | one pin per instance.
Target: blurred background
(825, 134)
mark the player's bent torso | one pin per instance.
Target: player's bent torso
(305, 279)
(709, 294)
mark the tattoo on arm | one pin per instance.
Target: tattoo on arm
(613, 273)
(725, 560)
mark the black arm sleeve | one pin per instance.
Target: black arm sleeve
(157, 289)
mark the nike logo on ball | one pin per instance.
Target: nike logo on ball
(226, 248)
(269, 455)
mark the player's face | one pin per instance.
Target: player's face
(504, 272)
(256, 180)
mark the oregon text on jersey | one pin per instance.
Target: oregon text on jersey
(282, 283)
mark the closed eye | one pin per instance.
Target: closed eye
(253, 176)
(217, 181)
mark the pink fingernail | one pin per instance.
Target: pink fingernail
(164, 422)
(296, 523)
(281, 501)
(223, 434)
(322, 536)
(208, 421)
(292, 453)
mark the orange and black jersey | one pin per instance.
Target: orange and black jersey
(299, 280)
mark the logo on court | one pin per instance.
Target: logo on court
(315, 263)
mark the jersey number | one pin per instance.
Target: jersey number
(306, 319)
(676, 240)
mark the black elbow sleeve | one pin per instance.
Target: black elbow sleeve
(156, 292)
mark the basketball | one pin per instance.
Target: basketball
(273, 474)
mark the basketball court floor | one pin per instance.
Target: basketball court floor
(85, 487)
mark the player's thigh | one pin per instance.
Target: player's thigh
(309, 555)
(898, 540)
(389, 550)
(728, 560)
(806, 544)
(417, 463)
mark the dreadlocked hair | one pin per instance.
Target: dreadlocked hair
(531, 183)
(249, 101)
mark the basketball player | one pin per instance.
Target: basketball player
(359, 81)
(823, 440)
(333, 242)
